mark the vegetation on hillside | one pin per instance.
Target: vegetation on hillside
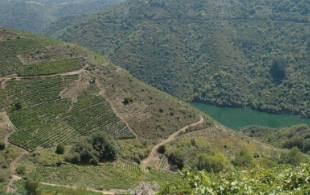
(229, 53)
(259, 180)
(120, 119)
(34, 16)
(289, 137)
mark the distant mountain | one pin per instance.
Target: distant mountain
(33, 16)
(229, 53)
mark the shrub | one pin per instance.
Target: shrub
(2, 145)
(211, 163)
(243, 159)
(99, 148)
(60, 148)
(162, 149)
(20, 169)
(32, 183)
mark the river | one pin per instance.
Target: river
(236, 118)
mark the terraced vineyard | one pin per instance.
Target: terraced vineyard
(52, 67)
(40, 125)
(46, 120)
(3, 99)
(92, 113)
(38, 90)
(128, 166)
(15, 43)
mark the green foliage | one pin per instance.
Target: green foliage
(127, 100)
(295, 136)
(172, 46)
(278, 180)
(211, 162)
(99, 148)
(60, 149)
(278, 70)
(20, 169)
(39, 15)
(244, 159)
(4, 175)
(48, 68)
(107, 148)
(293, 157)
(32, 184)
(2, 145)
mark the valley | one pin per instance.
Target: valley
(125, 120)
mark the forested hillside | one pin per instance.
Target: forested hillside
(229, 53)
(34, 16)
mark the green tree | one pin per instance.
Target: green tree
(60, 149)
(278, 69)
(2, 145)
(92, 150)
(32, 184)
(106, 147)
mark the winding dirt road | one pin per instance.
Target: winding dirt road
(169, 139)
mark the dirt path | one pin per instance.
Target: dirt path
(112, 191)
(14, 163)
(15, 76)
(169, 139)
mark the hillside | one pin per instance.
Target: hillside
(34, 16)
(60, 95)
(229, 53)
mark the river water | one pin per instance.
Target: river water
(236, 118)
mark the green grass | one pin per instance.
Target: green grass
(51, 67)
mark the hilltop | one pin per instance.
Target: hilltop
(60, 95)
(36, 15)
(229, 53)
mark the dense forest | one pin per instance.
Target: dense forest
(229, 53)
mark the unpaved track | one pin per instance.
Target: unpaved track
(169, 139)
(15, 76)
(112, 191)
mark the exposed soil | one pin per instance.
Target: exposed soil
(169, 139)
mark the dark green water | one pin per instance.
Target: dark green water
(235, 118)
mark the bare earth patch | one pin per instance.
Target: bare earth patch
(6, 126)
(76, 88)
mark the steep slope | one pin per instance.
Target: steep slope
(228, 53)
(34, 16)
(54, 92)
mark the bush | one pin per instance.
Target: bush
(243, 159)
(293, 157)
(99, 148)
(2, 145)
(60, 148)
(211, 163)
(21, 169)
(32, 183)
(161, 149)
